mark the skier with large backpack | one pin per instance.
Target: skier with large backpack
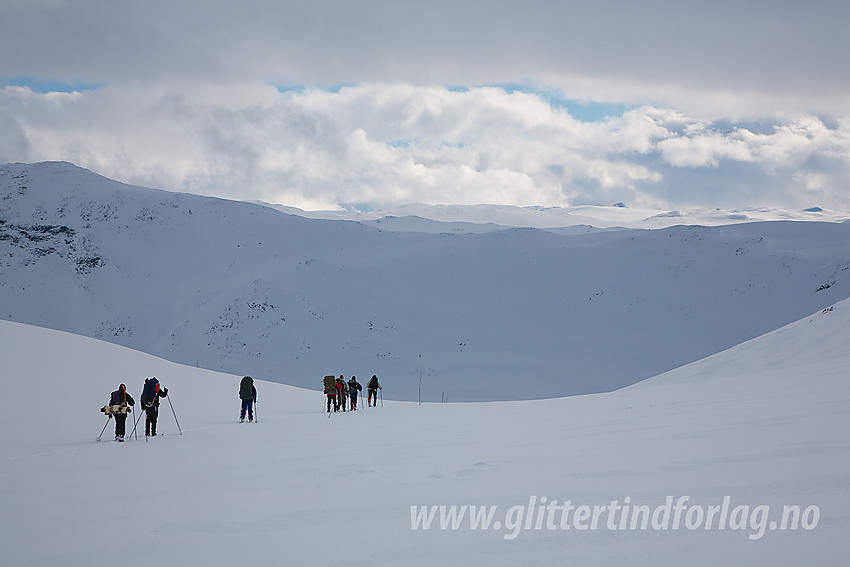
(331, 390)
(151, 394)
(119, 404)
(354, 387)
(248, 395)
(373, 386)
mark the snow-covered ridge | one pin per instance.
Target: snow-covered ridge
(484, 218)
(505, 314)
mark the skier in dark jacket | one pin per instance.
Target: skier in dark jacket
(151, 404)
(342, 391)
(373, 386)
(354, 387)
(122, 400)
(248, 395)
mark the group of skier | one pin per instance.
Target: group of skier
(342, 394)
(120, 403)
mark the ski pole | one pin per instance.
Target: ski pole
(135, 423)
(175, 415)
(104, 427)
(138, 417)
(256, 419)
(381, 393)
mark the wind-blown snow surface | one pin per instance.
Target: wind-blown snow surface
(509, 314)
(764, 423)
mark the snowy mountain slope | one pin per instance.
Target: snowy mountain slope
(512, 314)
(762, 424)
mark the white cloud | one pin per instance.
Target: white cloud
(790, 146)
(703, 150)
(381, 144)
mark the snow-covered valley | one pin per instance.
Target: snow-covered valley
(515, 313)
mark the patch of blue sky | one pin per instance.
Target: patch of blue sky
(286, 89)
(41, 85)
(411, 142)
(591, 111)
(402, 143)
(301, 89)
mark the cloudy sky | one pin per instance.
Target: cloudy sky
(366, 104)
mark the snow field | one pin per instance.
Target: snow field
(764, 423)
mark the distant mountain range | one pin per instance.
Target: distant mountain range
(472, 311)
(486, 218)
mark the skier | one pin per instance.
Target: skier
(119, 401)
(330, 389)
(248, 395)
(342, 386)
(373, 386)
(354, 387)
(151, 394)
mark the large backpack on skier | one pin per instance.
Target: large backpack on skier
(373, 383)
(246, 388)
(330, 385)
(115, 398)
(149, 392)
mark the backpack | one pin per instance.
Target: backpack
(246, 388)
(149, 391)
(373, 383)
(330, 385)
(115, 398)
